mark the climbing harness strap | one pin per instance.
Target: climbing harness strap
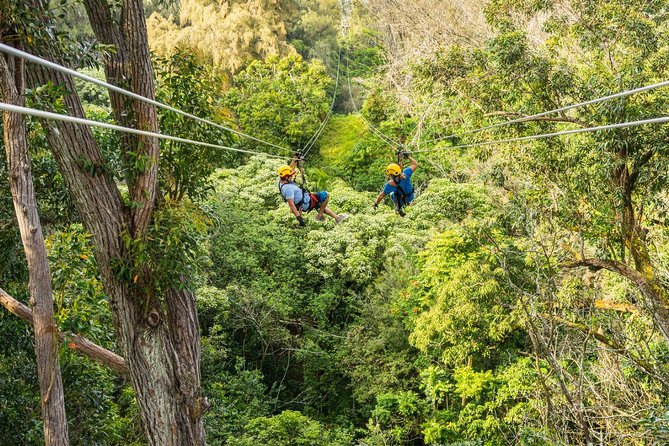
(314, 203)
(303, 186)
(400, 195)
(305, 193)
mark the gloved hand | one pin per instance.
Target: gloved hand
(301, 220)
(406, 153)
(376, 205)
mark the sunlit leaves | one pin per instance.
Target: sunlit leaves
(187, 84)
(282, 100)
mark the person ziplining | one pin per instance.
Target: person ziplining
(299, 199)
(399, 185)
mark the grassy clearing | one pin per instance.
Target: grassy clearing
(340, 136)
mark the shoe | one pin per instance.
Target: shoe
(341, 218)
(320, 218)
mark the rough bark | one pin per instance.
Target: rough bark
(116, 66)
(143, 188)
(156, 368)
(80, 344)
(158, 333)
(52, 399)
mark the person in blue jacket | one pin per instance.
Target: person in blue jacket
(398, 186)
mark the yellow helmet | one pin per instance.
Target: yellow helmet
(285, 171)
(393, 169)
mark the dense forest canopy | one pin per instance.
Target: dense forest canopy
(522, 300)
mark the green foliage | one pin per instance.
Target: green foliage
(289, 428)
(376, 107)
(13, 268)
(364, 165)
(282, 100)
(456, 325)
(464, 298)
(352, 253)
(80, 304)
(364, 53)
(227, 36)
(108, 141)
(338, 138)
(187, 84)
(171, 253)
(236, 395)
(314, 30)
(396, 418)
(92, 94)
(96, 413)
(20, 421)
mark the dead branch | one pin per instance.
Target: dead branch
(540, 118)
(613, 344)
(78, 343)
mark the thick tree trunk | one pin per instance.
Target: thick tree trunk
(167, 385)
(41, 299)
(158, 333)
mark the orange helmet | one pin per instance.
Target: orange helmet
(286, 171)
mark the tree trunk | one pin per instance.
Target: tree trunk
(144, 185)
(41, 299)
(158, 371)
(157, 331)
(644, 274)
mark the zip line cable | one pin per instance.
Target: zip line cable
(529, 118)
(66, 118)
(48, 115)
(54, 66)
(557, 110)
(661, 120)
(318, 133)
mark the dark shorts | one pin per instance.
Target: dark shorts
(316, 199)
(407, 198)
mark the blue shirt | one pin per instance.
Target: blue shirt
(291, 191)
(405, 185)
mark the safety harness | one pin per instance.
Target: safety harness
(400, 195)
(313, 203)
(303, 187)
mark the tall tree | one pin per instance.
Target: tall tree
(156, 322)
(41, 299)
(228, 34)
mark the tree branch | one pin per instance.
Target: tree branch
(614, 345)
(636, 170)
(617, 267)
(80, 344)
(602, 304)
(540, 118)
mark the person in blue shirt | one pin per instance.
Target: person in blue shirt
(300, 200)
(398, 186)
